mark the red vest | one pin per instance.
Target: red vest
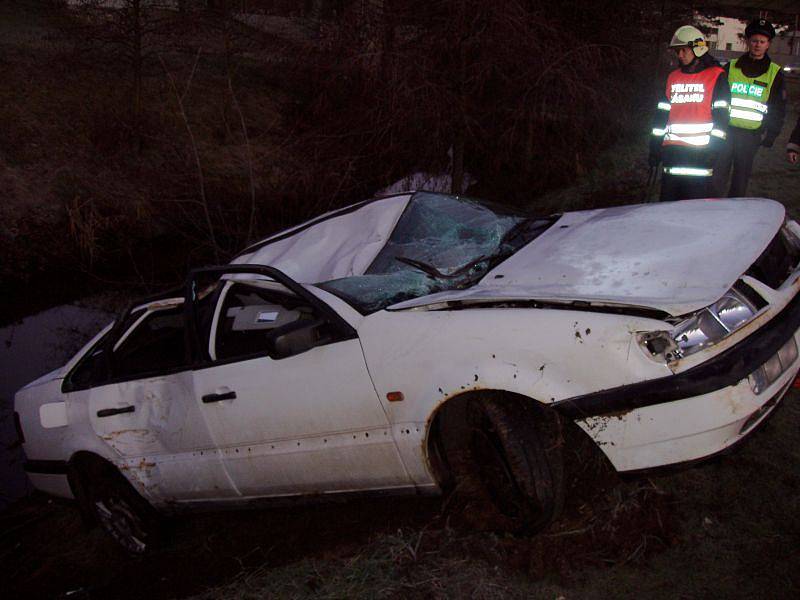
(690, 95)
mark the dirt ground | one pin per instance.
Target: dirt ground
(724, 529)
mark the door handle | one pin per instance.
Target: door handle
(108, 412)
(218, 397)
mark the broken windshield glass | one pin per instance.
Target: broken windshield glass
(440, 243)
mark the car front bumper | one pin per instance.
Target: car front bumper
(688, 430)
(694, 414)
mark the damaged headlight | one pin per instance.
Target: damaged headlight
(712, 324)
(702, 329)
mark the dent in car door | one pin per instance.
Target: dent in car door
(307, 422)
(151, 418)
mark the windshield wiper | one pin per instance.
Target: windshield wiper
(530, 228)
(432, 271)
(514, 232)
(429, 270)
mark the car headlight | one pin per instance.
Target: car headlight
(708, 326)
(699, 330)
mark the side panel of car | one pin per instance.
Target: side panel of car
(309, 423)
(547, 355)
(160, 438)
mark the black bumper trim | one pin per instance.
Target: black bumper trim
(47, 467)
(724, 370)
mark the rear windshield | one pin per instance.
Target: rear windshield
(440, 243)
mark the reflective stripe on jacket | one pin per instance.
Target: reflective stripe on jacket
(690, 121)
(749, 95)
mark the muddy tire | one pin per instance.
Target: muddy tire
(122, 513)
(510, 462)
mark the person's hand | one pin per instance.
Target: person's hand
(792, 156)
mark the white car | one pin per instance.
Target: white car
(412, 342)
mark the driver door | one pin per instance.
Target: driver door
(287, 396)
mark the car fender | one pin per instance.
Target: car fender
(430, 357)
(56, 426)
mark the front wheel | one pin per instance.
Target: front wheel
(514, 451)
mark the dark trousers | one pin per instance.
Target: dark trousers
(684, 187)
(736, 155)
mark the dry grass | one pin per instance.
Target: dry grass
(94, 199)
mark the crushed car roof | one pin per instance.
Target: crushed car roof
(338, 244)
(674, 257)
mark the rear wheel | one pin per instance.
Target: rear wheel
(121, 511)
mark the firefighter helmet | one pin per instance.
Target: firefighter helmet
(761, 26)
(691, 37)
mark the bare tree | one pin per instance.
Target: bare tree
(180, 96)
(508, 86)
(129, 31)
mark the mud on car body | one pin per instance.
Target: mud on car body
(417, 341)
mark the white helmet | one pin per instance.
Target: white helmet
(691, 37)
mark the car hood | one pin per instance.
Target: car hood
(675, 257)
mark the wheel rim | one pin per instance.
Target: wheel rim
(120, 520)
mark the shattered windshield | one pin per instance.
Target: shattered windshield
(440, 243)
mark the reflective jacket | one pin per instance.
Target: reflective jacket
(691, 119)
(750, 95)
(690, 122)
(757, 70)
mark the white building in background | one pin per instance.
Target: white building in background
(727, 35)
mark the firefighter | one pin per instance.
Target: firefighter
(691, 120)
(758, 106)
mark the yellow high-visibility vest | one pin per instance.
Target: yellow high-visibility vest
(749, 95)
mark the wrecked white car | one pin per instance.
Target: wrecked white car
(408, 342)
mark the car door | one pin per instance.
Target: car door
(287, 396)
(147, 411)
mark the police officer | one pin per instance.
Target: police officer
(758, 106)
(691, 120)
